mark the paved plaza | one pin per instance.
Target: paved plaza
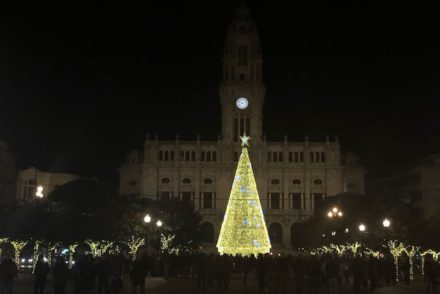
(159, 285)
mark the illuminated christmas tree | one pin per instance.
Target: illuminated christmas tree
(244, 229)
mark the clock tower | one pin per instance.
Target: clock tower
(242, 90)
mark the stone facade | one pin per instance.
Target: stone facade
(292, 177)
(31, 178)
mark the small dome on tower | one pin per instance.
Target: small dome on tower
(242, 20)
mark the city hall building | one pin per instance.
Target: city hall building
(292, 177)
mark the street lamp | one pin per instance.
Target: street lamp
(147, 218)
(39, 192)
(334, 212)
(386, 223)
(362, 227)
(147, 221)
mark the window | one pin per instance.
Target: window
(296, 182)
(186, 196)
(165, 180)
(322, 156)
(241, 126)
(242, 56)
(312, 158)
(301, 157)
(186, 181)
(275, 181)
(132, 183)
(28, 189)
(193, 156)
(351, 185)
(290, 156)
(317, 199)
(207, 200)
(214, 155)
(275, 200)
(242, 77)
(164, 196)
(207, 181)
(202, 156)
(295, 200)
(317, 182)
(275, 156)
(160, 155)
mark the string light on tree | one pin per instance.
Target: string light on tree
(244, 230)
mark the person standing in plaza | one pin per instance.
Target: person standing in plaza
(59, 273)
(40, 275)
(137, 275)
(8, 273)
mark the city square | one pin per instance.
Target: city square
(224, 147)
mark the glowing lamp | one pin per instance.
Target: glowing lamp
(39, 192)
(147, 218)
(159, 223)
(386, 223)
(362, 227)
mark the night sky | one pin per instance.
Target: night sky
(81, 87)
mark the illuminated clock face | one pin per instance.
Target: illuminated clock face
(242, 103)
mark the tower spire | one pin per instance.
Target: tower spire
(242, 79)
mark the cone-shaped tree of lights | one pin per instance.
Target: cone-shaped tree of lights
(244, 229)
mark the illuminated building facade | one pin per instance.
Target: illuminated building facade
(292, 176)
(32, 181)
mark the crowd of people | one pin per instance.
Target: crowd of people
(269, 273)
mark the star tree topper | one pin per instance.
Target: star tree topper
(245, 140)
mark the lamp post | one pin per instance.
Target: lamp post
(39, 192)
(362, 229)
(386, 223)
(334, 212)
(147, 221)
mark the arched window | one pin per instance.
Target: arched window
(207, 232)
(165, 180)
(186, 181)
(317, 182)
(276, 233)
(207, 181)
(296, 182)
(275, 181)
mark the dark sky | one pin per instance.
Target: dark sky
(81, 86)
